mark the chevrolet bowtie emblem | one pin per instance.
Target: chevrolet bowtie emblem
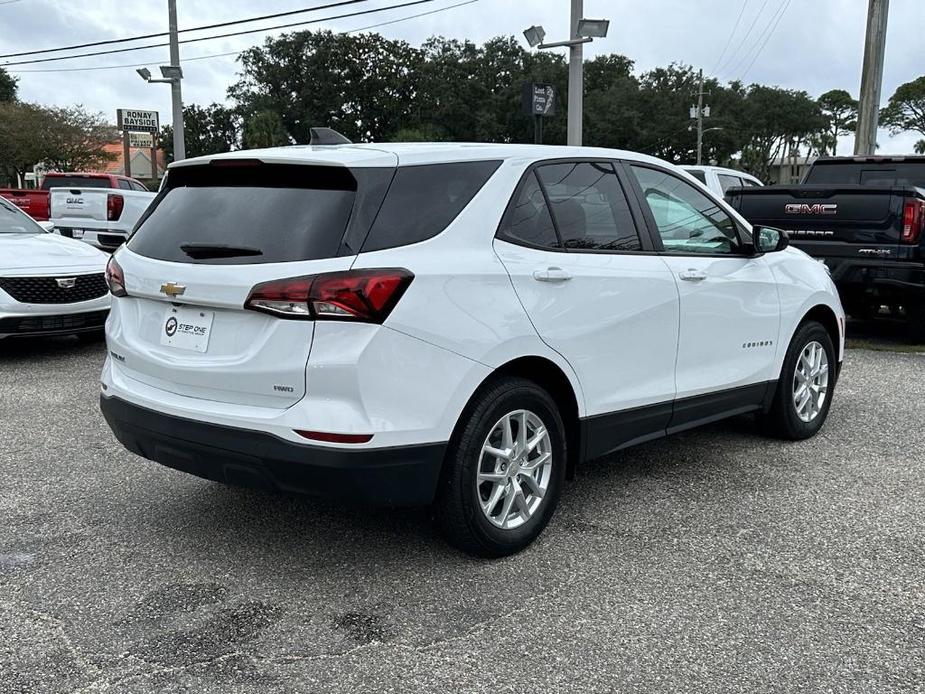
(173, 289)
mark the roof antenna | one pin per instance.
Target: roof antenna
(327, 136)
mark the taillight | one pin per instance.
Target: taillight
(366, 296)
(913, 220)
(114, 206)
(115, 278)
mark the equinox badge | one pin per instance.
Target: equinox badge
(173, 289)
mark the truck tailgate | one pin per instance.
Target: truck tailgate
(79, 205)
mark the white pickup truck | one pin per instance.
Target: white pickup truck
(102, 217)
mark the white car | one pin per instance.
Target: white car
(720, 179)
(451, 324)
(49, 285)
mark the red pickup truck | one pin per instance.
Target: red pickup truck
(35, 202)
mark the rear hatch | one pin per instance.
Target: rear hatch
(827, 221)
(215, 233)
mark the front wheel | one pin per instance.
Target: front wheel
(504, 470)
(804, 389)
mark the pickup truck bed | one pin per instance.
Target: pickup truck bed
(863, 217)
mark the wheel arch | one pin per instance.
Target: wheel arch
(822, 313)
(553, 379)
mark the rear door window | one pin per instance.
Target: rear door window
(423, 200)
(125, 185)
(726, 182)
(248, 214)
(589, 207)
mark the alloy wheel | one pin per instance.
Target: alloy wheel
(810, 381)
(515, 468)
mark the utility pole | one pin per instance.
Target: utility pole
(179, 140)
(698, 112)
(865, 141)
(575, 76)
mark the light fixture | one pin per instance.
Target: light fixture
(593, 28)
(172, 72)
(535, 35)
(144, 72)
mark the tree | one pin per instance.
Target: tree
(264, 129)
(841, 117)
(920, 147)
(906, 108)
(8, 86)
(207, 130)
(63, 139)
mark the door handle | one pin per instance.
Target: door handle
(551, 274)
(692, 275)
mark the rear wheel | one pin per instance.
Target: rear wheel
(916, 318)
(504, 470)
(804, 389)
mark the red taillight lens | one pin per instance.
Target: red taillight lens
(115, 279)
(366, 296)
(114, 206)
(334, 438)
(913, 220)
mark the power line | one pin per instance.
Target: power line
(731, 34)
(753, 48)
(220, 36)
(744, 38)
(141, 37)
(780, 16)
(229, 53)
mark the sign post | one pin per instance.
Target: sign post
(538, 99)
(134, 121)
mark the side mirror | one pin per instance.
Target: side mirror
(769, 239)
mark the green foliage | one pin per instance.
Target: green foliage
(905, 110)
(207, 130)
(8, 86)
(920, 147)
(264, 129)
(62, 139)
(841, 117)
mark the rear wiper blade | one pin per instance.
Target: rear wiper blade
(200, 251)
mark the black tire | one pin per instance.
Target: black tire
(916, 318)
(92, 337)
(782, 420)
(458, 505)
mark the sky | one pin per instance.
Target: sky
(816, 45)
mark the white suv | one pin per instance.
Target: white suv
(451, 324)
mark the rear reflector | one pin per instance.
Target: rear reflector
(913, 220)
(334, 438)
(366, 296)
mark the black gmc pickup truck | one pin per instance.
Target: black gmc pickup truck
(865, 218)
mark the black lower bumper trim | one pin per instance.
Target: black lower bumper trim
(65, 324)
(400, 476)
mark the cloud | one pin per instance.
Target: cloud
(817, 45)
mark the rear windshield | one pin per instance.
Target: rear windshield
(248, 214)
(75, 182)
(868, 174)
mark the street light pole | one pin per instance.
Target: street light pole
(700, 119)
(865, 141)
(575, 77)
(179, 141)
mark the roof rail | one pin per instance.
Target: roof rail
(327, 136)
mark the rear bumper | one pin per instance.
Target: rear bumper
(398, 476)
(860, 275)
(104, 239)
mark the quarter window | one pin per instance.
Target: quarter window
(589, 206)
(688, 221)
(528, 220)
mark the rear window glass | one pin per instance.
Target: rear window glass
(423, 200)
(867, 174)
(248, 214)
(75, 182)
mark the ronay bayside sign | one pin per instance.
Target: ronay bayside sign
(134, 121)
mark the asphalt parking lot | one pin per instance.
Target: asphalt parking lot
(715, 561)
